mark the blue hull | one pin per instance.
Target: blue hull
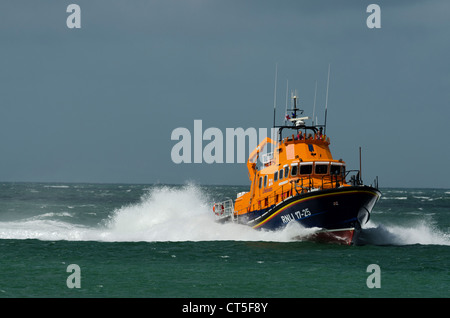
(332, 209)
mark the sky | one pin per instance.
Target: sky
(99, 103)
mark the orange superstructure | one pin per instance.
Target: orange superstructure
(298, 164)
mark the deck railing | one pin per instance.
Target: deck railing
(224, 208)
(295, 186)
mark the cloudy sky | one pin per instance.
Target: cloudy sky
(99, 103)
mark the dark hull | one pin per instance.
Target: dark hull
(338, 213)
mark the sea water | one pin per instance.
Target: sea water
(154, 241)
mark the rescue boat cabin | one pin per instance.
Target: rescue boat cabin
(300, 163)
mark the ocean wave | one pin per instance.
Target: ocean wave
(179, 214)
(57, 186)
(163, 214)
(421, 232)
(54, 214)
(185, 214)
(393, 198)
(46, 230)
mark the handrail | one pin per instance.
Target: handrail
(299, 185)
(224, 208)
(267, 158)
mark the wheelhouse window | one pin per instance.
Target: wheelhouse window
(281, 174)
(265, 181)
(335, 170)
(286, 171)
(275, 176)
(260, 182)
(321, 169)
(294, 169)
(306, 169)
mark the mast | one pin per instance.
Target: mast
(295, 109)
(360, 168)
(314, 108)
(275, 94)
(295, 106)
(326, 101)
(287, 89)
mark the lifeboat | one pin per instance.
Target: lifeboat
(300, 181)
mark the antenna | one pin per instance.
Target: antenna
(314, 108)
(326, 101)
(287, 89)
(275, 94)
(360, 170)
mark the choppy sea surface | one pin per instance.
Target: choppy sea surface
(154, 241)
